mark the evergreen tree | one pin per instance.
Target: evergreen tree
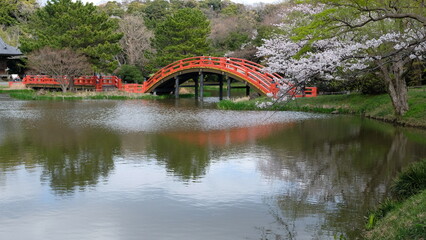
(155, 12)
(14, 11)
(181, 35)
(81, 27)
(130, 74)
(6, 10)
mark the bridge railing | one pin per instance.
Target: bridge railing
(133, 88)
(309, 92)
(83, 81)
(250, 71)
(108, 81)
(39, 80)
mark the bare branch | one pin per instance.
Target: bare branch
(63, 64)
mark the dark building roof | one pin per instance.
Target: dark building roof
(7, 50)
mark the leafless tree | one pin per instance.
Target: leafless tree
(136, 40)
(63, 64)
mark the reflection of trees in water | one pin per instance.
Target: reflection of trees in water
(71, 158)
(287, 231)
(335, 171)
(182, 159)
(188, 153)
(80, 162)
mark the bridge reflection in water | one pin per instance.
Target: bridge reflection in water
(227, 137)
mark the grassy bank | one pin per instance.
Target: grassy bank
(44, 95)
(377, 106)
(404, 215)
(9, 91)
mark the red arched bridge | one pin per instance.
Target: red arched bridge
(239, 69)
(169, 79)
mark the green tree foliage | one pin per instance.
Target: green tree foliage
(215, 5)
(178, 4)
(155, 12)
(236, 29)
(14, 11)
(6, 12)
(113, 8)
(233, 9)
(181, 35)
(130, 74)
(135, 8)
(235, 40)
(10, 34)
(371, 84)
(81, 27)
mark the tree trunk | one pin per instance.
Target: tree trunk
(71, 83)
(64, 83)
(399, 96)
(395, 82)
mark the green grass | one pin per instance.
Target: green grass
(231, 105)
(403, 216)
(216, 88)
(28, 94)
(15, 90)
(382, 210)
(374, 106)
(33, 95)
(405, 221)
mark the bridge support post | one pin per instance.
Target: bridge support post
(247, 90)
(220, 87)
(228, 87)
(201, 85)
(196, 87)
(177, 87)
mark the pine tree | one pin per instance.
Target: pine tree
(13, 12)
(80, 27)
(181, 35)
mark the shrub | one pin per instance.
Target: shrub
(130, 74)
(332, 86)
(370, 84)
(410, 181)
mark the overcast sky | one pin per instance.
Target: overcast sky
(97, 2)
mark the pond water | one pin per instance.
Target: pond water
(181, 169)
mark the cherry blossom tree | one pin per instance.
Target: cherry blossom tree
(329, 39)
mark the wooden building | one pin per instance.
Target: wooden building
(7, 53)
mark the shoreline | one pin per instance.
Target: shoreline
(378, 107)
(401, 216)
(28, 94)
